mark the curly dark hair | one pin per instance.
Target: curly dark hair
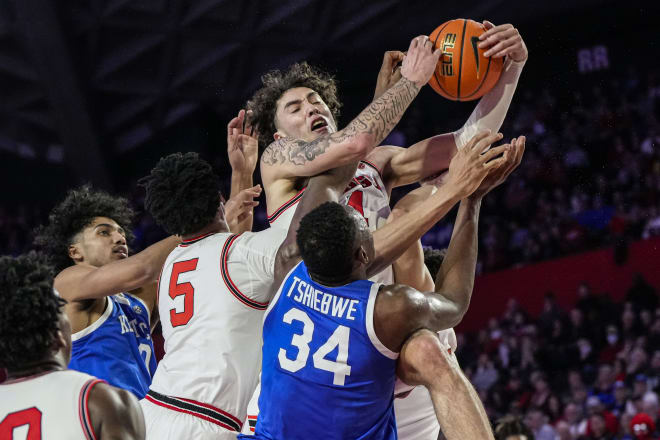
(183, 193)
(30, 312)
(511, 426)
(433, 259)
(264, 102)
(326, 239)
(72, 215)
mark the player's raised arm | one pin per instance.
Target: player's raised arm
(445, 307)
(455, 279)
(115, 413)
(432, 155)
(84, 281)
(466, 172)
(242, 150)
(289, 157)
(326, 187)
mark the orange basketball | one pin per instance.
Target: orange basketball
(463, 72)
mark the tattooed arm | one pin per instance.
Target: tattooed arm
(288, 157)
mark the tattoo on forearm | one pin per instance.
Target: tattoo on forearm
(377, 120)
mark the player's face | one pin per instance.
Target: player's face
(100, 243)
(302, 114)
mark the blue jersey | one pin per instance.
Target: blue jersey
(324, 372)
(118, 347)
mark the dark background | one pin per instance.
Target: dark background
(96, 91)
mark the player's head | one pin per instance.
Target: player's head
(88, 226)
(433, 259)
(33, 326)
(335, 242)
(512, 428)
(183, 194)
(300, 103)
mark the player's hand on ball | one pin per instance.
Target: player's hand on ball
(499, 174)
(472, 163)
(241, 206)
(420, 60)
(503, 40)
(390, 72)
(242, 143)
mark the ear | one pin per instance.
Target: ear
(278, 135)
(60, 341)
(362, 256)
(75, 254)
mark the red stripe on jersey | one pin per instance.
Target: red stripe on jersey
(206, 405)
(193, 240)
(200, 416)
(83, 409)
(230, 283)
(380, 173)
(286, 205)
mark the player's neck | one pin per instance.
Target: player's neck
(44, 366)
(215, 227)
(333, 282)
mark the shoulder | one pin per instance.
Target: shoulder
(264, 242)
(399, 310)
(63, 280)
(381, 156)
(111, 405)
(399, 298)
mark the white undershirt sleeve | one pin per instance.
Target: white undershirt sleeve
(493, 106)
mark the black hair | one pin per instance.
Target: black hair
(433, 259)
(30, 312)
(326, 239)
(510, 426)
(183, 193)
(264, 102)
(77, 211)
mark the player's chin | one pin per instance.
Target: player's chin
(321, 131)
(118, 256)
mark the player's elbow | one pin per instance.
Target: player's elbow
(452, 315)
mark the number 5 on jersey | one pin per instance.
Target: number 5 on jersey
(185, 289)
(339, 338)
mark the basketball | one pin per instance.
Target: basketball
(463, 72)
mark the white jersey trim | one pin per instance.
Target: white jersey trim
(273, 301)
(370, 324)
(98, 323)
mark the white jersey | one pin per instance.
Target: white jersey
(51, 405)
(366, 193)
(212, 295)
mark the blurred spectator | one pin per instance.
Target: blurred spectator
(512, 428)
(538, 423)
(642, 427)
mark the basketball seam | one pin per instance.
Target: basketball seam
(435, 71)
(460, 61)
(483, 80)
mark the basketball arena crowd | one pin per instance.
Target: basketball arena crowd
(591, 180)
